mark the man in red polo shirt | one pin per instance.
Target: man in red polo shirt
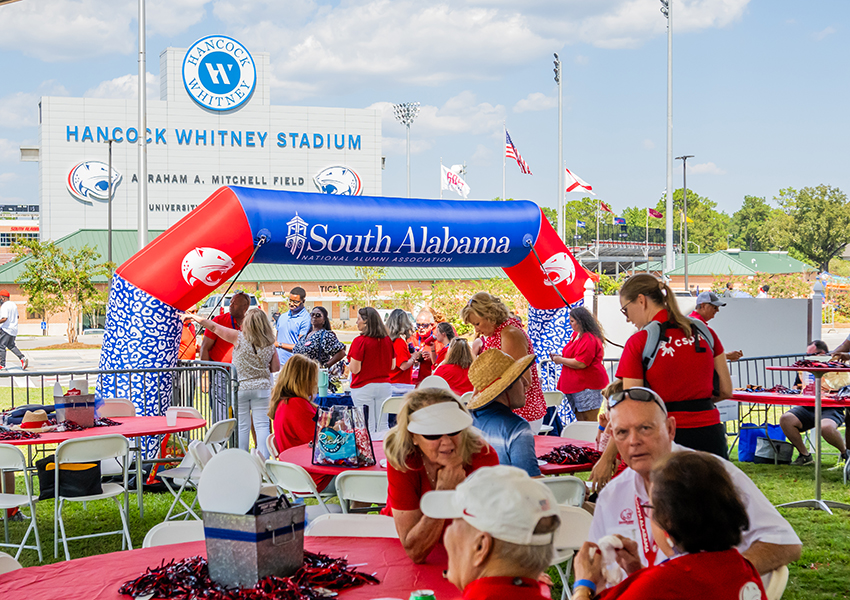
(216, 349)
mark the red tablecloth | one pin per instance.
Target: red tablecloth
(99, 577)
(543, 444)
(130, 427)
(788, 399)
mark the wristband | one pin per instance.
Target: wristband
(586, 583)
(601, 428)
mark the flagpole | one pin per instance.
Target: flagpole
(598, 210)
(647, 240)
(441, 178)
(504, 154)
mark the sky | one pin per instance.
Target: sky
(759, 86)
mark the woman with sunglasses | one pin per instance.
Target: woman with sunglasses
(697, 518)
(370, 360)
(320, 343)
(432, 447)
(501, 329)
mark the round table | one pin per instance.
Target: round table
(100, 576)
(543, 444)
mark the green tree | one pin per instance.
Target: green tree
(409, 299)
(748, 224)
(365, 292)
(38, 279)
(709, 227)
(819, 224)
(64, 275)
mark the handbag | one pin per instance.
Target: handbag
(75, 479)
(342, 438)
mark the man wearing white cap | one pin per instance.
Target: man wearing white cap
(499, 390)
(501, 538)
(708, 305)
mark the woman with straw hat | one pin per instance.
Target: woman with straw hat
(500, 388)
(432, 447)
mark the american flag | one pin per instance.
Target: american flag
(512, 152)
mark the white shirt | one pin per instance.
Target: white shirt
(617, 512)
(9, 311)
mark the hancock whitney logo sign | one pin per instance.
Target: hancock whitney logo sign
(219, 73)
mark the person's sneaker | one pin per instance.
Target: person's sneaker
(802, 460)
(25, 362)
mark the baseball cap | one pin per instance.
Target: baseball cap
(709, 298)
(4, 293)
(502, 501)
(439, 418)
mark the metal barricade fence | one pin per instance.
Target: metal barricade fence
(208, 387)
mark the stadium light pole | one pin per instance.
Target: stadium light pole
(561, 192)
(667, 11)
(143, 135)
(109, 212)
(684, 160)
(405, 113)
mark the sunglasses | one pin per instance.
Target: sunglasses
(423, 325)
(436, 436)
(640, 394)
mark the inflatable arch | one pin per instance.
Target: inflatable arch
(214, 241)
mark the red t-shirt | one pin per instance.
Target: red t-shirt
(294, 426)
(696, 315)
(402, 354)
(376, 356)
(441, 355)
(724, 575)
(678, 373)
(406, 488)
(585, 348)
(498, 588)
(457, 378)
(221, 351)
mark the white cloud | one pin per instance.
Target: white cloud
(483, 156)
(7, 177)
(534, 102)
(9, 150)
(125, 87)
(170, 17)
(823, 33)
(460, 114)
(21, 108)
(708, 168)
(648, 144)
(392, 145)
(581, 59)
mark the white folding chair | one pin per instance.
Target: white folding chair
(391, 406)
(116, 407)
(294, 480)
(8, 563)
(83, 450)
(573, 532)
(271, 445)
(581, 430)
(361, 486)
(568, 490)
(553, 399)
(184, 411)
(174, 532)
(376, 526)
(187, 474)
(434, 381)
(267, 488)
(466, 398)
(777, 579)
(12, 459)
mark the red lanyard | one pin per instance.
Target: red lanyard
(650, 549)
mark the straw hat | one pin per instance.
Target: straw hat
(492, 373)
(34, 421)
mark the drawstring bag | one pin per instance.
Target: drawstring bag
(342, 438)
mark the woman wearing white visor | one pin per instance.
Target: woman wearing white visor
(500, 540)
(432, 447)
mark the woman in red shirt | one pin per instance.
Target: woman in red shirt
(500, 329)
(697, 518)
(455, 368)
(433, 447)
(370, 360)
(291, 410)
(583, 375)
(400, 328)
(444, 333)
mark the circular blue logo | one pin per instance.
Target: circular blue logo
(219, 73)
